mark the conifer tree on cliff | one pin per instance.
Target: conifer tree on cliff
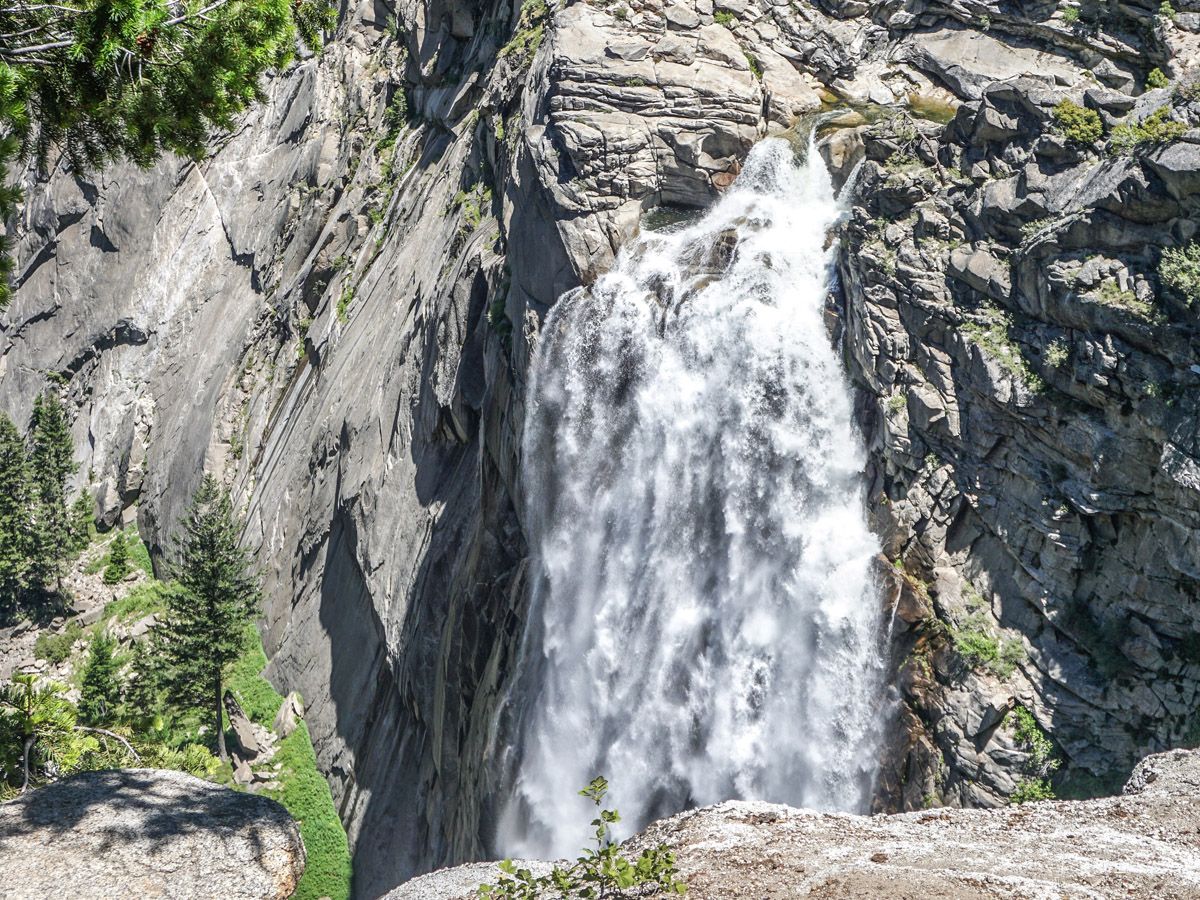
(50, 465)
(218, 595)
(14, 514)
(101, 80)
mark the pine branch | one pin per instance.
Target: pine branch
(114, 736)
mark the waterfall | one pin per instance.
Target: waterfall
(705, 625)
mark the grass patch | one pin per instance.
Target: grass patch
(1110, 294)
(143, 600)
(303, 790)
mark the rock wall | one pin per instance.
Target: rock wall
(335, 313)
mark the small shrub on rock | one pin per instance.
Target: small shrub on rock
(1078, 124)
(1156, 129)
(1156, 79)
(1179, 270)
(599, 872)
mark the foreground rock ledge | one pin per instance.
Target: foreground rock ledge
(1144, 843)
(146, 833)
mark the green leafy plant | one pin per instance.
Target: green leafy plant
(1179, 270)
(1167, 11)
(600, 872)
(1077, 123)
(1071, 15)
(755, 65)
(1156, 79)
(724, 17)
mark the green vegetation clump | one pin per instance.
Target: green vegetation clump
(1041, 761)
(1057, 353)
(476, 204)
(601, 871)
(100, 691)
(1078, 124)
(1110, 294)
(1156, 79)
(1166, 10)
(118, 560)
(343, 304)
(1030, 789)
(56, 648)
(754, 63)
(1156, 129)
(975, 640)
(531, 29)
(143, 600)
(136, 553)
(724, 17)
(991, 336)
(1179, 270)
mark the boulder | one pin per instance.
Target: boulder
(146, 833)
(1139, 844)
(249, 746)
(291, 711)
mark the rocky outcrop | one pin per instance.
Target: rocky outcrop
(335, 313)
(147, 833)
(1139, 844)
(1032, 421)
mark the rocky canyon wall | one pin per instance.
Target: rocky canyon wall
(335, 313)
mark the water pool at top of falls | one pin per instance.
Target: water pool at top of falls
(704, 625)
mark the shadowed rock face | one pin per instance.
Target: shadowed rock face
(335, 313)
(1140, 844)
(147, 833)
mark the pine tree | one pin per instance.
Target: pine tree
(118, 560)
(33, 720)
(99, 689)
(50, 465)
(14, 514)
(82, 518)
(108, 79)
(206, 621)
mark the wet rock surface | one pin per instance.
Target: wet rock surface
(1139, 844)
(147, 833)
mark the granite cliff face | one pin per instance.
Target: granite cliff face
(335, 313)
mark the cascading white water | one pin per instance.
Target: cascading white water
(705, 626)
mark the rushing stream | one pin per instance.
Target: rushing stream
(705, 626)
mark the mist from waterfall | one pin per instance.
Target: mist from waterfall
(705, 625)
